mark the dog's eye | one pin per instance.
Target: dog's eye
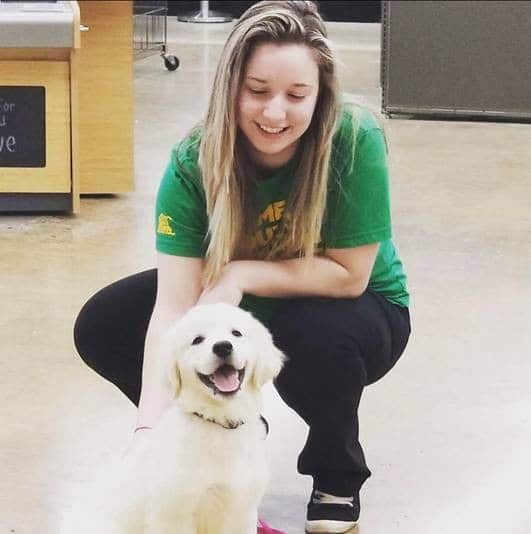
(236, 333)
(197, 340)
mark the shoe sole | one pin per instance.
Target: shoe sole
(330, 527)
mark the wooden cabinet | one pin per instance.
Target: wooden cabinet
(86, 82)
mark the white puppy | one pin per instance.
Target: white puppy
(202, 469)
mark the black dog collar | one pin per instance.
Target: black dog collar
(231, 425)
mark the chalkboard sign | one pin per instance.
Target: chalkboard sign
(22, 126)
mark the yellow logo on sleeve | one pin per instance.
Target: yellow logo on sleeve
(164, 225)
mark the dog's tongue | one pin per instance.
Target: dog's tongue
(226, 379)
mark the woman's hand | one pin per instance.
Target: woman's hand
(228, 288)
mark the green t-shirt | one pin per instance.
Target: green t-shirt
(358, 207)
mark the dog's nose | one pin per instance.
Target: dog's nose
(223, 349)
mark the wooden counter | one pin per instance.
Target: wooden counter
(88, 111)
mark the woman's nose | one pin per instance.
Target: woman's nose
(274, 112)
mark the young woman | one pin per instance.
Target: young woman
(277, 202)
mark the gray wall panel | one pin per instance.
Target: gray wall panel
(450, 57)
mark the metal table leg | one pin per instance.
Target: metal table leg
(205, 15)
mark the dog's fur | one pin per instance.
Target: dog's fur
(193, 475)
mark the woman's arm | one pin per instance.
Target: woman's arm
(178, 288)
(339, 273)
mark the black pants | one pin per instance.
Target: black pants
(335, 347)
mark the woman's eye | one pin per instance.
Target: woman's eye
(197, 340)
(296, 97)
(236, 333)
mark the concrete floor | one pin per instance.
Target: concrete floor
(446, 434)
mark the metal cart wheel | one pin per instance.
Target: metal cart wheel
(151, 30)
(171, 62)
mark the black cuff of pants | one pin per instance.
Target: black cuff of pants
(339, 484)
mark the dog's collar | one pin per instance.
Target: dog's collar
(228, 423)
(231, 425)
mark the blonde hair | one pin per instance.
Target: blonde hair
(224, 166)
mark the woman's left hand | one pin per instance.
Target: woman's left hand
(227, 289)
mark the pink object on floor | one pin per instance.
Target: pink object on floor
(264, 528)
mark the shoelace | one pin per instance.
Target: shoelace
(320, 497)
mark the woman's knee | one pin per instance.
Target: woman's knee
(313, 325)
(115, 319)
(91, 327)
(324, 368)
(319, 346)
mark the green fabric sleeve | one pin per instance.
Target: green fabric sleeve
(358, 205)
(180, 215)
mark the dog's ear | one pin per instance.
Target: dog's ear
(174, 376)
(168, 362)
(268, 365)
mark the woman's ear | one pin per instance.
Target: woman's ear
(267, 366)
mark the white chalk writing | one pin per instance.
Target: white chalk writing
(6, 107)
(8, 143)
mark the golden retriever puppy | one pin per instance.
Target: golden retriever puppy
(202, 469)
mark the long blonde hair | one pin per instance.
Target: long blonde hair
(224, 169)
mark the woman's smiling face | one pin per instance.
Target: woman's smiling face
(279, 92)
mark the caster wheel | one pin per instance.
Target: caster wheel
(171, 62)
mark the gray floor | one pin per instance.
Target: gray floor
(446, 434)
